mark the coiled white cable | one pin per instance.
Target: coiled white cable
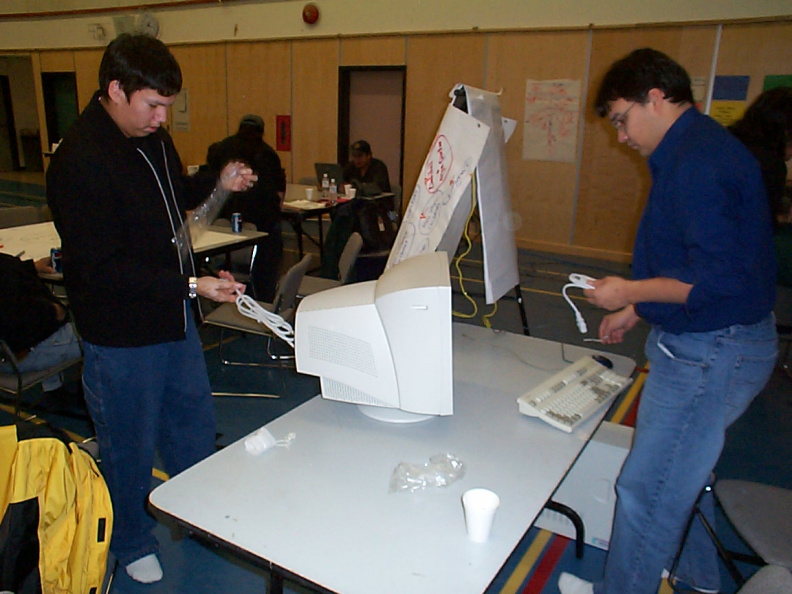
(581, 323)
(248, 307)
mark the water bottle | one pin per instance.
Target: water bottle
(333, 191)
(325, 186)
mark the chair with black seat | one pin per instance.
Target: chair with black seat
(16, 382)
(346, 265)
(227, 317)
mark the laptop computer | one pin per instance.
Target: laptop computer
(333, 171)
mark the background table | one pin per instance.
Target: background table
(321, 510)
(36, 241)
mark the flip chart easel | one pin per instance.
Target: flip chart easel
(470, 141)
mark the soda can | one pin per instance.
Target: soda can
(57, 262)
(236, 222)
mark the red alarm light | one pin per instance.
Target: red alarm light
(310, 13)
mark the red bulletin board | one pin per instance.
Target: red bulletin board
(283, 133)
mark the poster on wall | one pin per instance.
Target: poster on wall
(729, 95)
(773, 81)
(552, 114)
(181, 112)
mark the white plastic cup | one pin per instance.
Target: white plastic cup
(350, 192)
(309, 194)
(480, 506)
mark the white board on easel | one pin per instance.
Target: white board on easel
(468, 142)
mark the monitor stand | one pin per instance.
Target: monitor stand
(392, 415)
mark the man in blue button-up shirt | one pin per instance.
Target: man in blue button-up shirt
(704, 279)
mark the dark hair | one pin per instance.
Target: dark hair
(768, 121)
(633, 76)
(139, 62)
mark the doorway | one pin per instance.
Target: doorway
(371, 107)
(60, 102)
(9, 151)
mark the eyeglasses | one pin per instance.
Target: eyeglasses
(620, 122)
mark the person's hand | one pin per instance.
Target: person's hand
(219, 289)
(614, 326)
(60, 312)
(609, 293)
(44, 266)
(237, 177)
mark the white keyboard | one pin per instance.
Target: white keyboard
(574, 394)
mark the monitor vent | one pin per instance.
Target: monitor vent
(341, 349)
(335, 390)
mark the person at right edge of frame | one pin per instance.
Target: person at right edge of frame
(118, 194)
(704, 278)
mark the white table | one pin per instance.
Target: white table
(320, 511)
(35, 241)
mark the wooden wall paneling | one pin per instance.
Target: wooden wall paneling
(204, 78)
(435, 63)
(614, 180)
(757, 49)
(86, 67)
(314, 104)
(542, 192)
(57, 61)
(259, 81)
(374, 51)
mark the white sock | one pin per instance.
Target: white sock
(145, 570)
(570, 584)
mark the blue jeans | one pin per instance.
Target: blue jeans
(698, 384)
(143, 399)
(60, 346)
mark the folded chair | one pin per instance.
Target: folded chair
(227, 317)
(346, 264)
(17, 382)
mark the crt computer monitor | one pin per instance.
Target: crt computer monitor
(385, 345)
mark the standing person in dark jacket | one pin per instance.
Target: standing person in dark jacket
(118, 198)
(34, 322)
(261, 204)
(766, 129)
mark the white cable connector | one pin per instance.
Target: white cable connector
(581, 281)
(248, 307)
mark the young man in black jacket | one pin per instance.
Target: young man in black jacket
(34, 322)
(118, 197)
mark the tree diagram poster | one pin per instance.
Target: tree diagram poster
(552, 114)
(444, 177)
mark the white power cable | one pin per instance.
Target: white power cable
(581, 323)
(248, 307)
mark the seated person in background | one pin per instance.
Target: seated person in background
(261, 204)
(363, 168)
(766, 129)
(34, 322)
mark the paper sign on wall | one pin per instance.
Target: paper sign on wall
(552, 114)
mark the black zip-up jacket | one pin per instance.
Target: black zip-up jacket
(27, 306)
(117, 213)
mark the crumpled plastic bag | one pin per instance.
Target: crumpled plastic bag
(440, 471)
